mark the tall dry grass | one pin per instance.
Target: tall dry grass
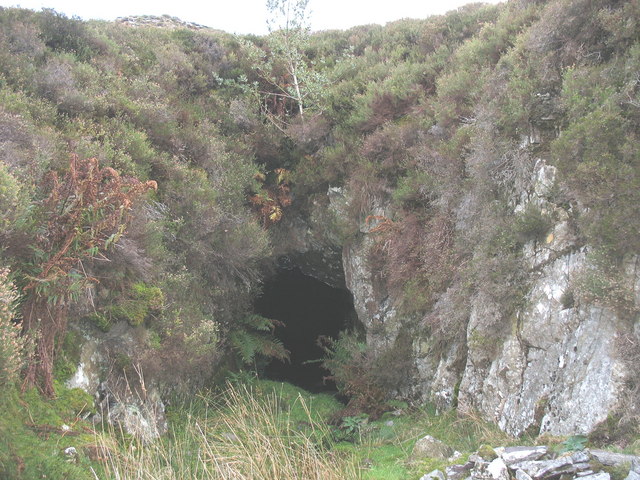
(244, 436)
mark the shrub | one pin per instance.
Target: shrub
(11, 200)
(351, 367)
(141, 302)
(601, 282)
(387, 149)
(532, 224)
(417, 259)
(12, 345)
(57, 82)
(65, 34)
(414, 189)
(598, 157)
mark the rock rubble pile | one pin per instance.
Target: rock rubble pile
(538, 463)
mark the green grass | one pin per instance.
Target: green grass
(257, 430)
(384, 449)
(34, 433)
(252, 428)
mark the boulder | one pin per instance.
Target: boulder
(634, 473)
(512, 455)
(596, 476)
(522, 475)
(570, 464)
(458, 472)
(498, 469)
(434, 475)
(633, 476)
(429, 447)
(614, 459)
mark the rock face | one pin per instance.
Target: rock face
(164, 21)
(558, 369)
(125, 400)
(312, 244)
(555, 367)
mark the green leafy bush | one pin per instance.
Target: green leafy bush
(61, 33)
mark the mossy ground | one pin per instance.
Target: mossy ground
(34, 432)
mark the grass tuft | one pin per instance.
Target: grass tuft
(240, 434)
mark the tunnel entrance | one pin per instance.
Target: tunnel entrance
(307, 308)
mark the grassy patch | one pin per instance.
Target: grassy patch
(34, 433)
(251, 429)
(258, 430)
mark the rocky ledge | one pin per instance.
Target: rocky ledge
(164, 21)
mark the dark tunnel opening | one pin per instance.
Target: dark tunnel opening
(307, 308)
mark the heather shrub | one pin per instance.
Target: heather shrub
(33, 110)
(601, 281)
(12, 200)
(25, 150)
(416, 188)
(186, 335)
(458, 93)
(12, 344)
(387, 149)
(532, 224)
(57, 82)
(351, 367)
(598, 156)
(419, 260)
(384, 107)
(64, 34)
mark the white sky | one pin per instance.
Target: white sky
(249, 16)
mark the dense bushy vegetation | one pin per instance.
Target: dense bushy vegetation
(441, 120)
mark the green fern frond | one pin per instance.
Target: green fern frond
(254, 337)
(245, 344)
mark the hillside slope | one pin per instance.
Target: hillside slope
(473, 178)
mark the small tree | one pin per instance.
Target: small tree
(289, 31)
(85, 213)
(293, 85)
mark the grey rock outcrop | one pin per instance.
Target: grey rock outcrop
(164, 21)
(551, 372)
(495, 469)
(127, 402)
(615, 459)
(554, 365)
(570, 464)
(375, 308)
(458, 472)
(312, 244)
(634, 473)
